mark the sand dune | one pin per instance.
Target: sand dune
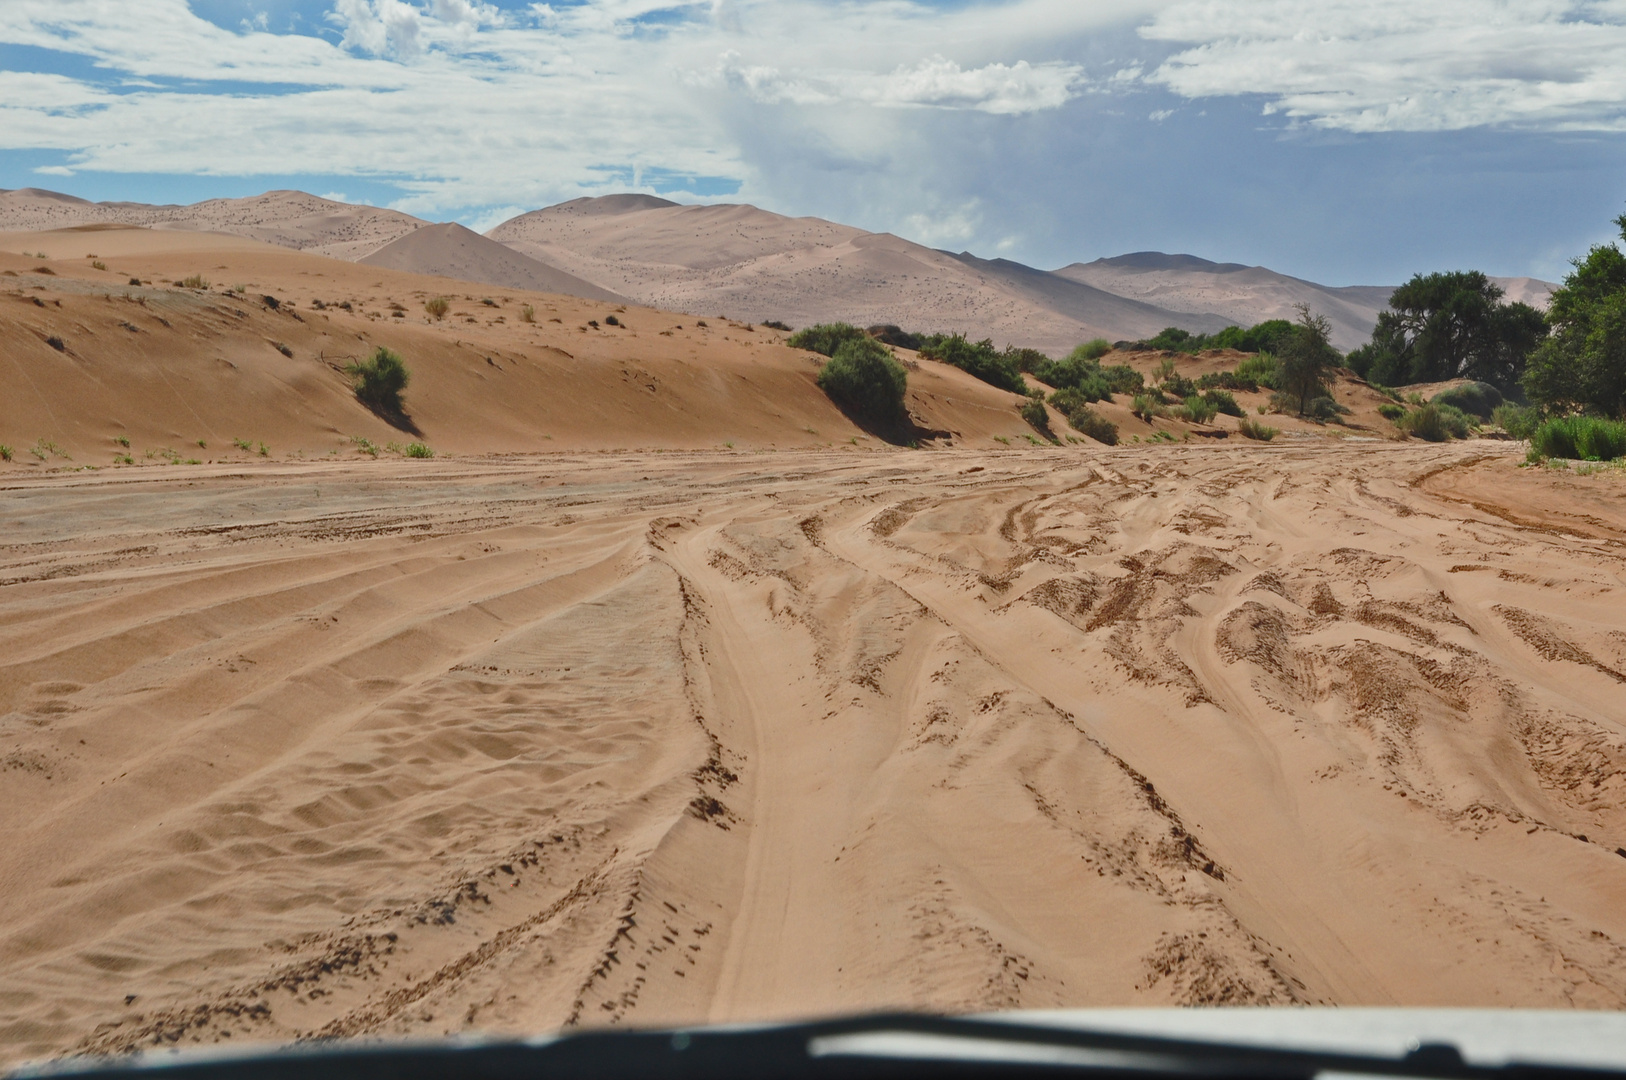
(291, 219)
(1253, 294)
(452, 251)
(420, 747)
(163, 366)
(757, 265)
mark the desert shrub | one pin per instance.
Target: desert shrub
(1123, 379)
(1178, 386)
(864, 378)
(1027, 361)
(976, 358)
(195, 281)
(437, 306)
(1435, 423)
(1148, 407)
(1478, 398)
(825, 338)
(1198, 409)
(1093, 349)
(1253, 429)
(1585, 438)
(379, 380)
(527, 313)
(894, 335)
(365, 445)
(57, 343)
(775, 324)
(135, 281)
(1070, 399)
(1324, 407)
(1083, 380)
(1033, 411)
(1519, 421)
(1224, 402)
(5, 452)
(611, 320)
(1089, 422)
(98, 265)
(1226, 380)
(1260, 369)
(418, 450)
(1390, 411)
(283, 349)
(1282, 402)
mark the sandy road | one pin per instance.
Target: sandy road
(437, 746)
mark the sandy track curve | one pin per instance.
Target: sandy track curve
(628, 739)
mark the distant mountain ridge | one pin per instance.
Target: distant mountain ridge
(757, 265)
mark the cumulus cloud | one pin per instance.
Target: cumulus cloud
(934, 82)
(1397, 65)
(462, 104)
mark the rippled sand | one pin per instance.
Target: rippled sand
(423, 747)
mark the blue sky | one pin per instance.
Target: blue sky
(1343, 141)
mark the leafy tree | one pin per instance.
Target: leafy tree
(1450, 326)
(1582, 366)
(865, 379)
(1306, 358)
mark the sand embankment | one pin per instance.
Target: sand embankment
(399, 747)
(258, 356)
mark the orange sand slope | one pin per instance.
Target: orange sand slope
(165, 367)
(421, 747)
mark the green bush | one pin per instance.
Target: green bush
(1123, 379)
(1089, 422)
(1252, 429)
(1519, 421)
(1148, 407)
(1226, 380)
(1435, 423)
(5, 452)
(379, 380)
(1094, 349)
(864, 378)
(419, 450)
(1260, 369)
(1390, 411)
(1027, 360)
(1479, 398)
(825, 338)
(1198, 409)
(1033, 411)
(1584, 438)
(1325, 407)
(976, 358)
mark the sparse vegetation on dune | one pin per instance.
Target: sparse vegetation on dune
(437, 307)
(1252, 429)
(976, 358)
(825, 338)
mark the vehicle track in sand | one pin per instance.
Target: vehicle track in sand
(412, 748)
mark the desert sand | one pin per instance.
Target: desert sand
(596, 719)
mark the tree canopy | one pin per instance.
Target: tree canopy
(1450, 326)
(1306, 357)
(1581, 367)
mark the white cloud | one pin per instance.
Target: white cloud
(54, 170)
(954, 226)
(1399, 65)
(463, 105)
(932, 83)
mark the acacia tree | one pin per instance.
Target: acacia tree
(1450, 326)
(1306, 357)
(1582, 366)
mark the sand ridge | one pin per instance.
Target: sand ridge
(759, 265)
(420, 747)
